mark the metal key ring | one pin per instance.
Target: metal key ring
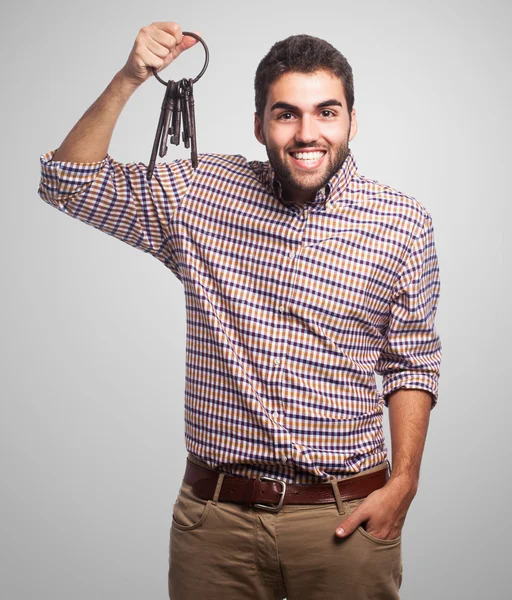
(207, 58)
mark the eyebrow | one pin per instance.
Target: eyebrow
(324, 104)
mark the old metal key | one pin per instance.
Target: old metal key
(176, 124)
(164, 114)
(168, 117)
(186, 113)
(192, 123)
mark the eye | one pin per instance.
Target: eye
(280, 117)
(329, 114)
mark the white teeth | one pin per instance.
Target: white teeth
(308, 155)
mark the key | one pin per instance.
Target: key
(186, 113)
(175, 138)
(169, 109)
(159, 130)
(192, 124)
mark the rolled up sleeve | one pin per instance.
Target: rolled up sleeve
(412, 354)
(117, 199)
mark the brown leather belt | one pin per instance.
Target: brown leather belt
(270, 493)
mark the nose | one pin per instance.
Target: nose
(307, 130)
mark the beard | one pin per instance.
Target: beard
(308, 182)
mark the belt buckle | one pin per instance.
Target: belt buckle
(277, 507)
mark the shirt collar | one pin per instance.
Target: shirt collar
(328, 195)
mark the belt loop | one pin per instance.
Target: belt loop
(337, 496)
(217, 489)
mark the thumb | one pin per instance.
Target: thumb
(350, 524)
(187, 42)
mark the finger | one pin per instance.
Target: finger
(156, 48)
(163, 37)
(162, 42)
(169, 27)
(149, 59)
(351, 523)
(183, 42)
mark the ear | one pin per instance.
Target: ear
(258, 129)
(353, 125)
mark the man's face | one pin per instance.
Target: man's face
(306, 129)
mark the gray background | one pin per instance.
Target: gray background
(93, 331)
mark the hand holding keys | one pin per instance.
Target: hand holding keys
(178, 100)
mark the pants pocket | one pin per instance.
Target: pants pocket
(375, 562)
(189, 512)
(351, 506)
(371, 537)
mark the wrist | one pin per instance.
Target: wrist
(405, 484)
(124, 85)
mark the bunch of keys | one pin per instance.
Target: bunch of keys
(178, 101)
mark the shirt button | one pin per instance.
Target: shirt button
(282, 308)
(284, 458)
(292, 255)
(277, 361)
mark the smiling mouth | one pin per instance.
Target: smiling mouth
(308, 160)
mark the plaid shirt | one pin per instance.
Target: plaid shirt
(291, 310)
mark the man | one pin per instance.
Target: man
(302, 279)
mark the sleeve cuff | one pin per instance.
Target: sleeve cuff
(410, 380)
(63, 178)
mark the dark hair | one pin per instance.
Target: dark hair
(301, 54)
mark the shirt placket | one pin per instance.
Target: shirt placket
(281, 349)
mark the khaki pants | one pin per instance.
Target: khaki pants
(227, 551)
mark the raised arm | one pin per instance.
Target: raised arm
(83, 181)
(156, 45)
